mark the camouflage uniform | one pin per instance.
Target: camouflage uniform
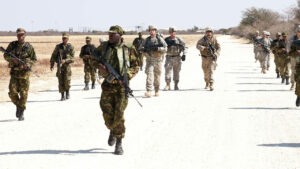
(255, 47)
(19, 81)
(113, 101)
(264, 55)
(64, 78)
(293, 63)
(208, 63)
(154, 60)
(274, 48)
(89, 70)
(283, 61)
(137, 44)
(173, 59)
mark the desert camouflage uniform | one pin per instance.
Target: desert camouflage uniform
(173, 58)
(113, 101)
(295, 46)
(89, 70)
(208, 63)
(67, 53)
(19, 81)
(137, 44)
(154, 61)
(265, 56)
(293, 63)
(255, 47)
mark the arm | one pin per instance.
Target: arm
(72, 53)
(134, 64)
(53, 58)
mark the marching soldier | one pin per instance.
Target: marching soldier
(256, 38)
(264, 51)
(283, 59)
(275, 48)
(154, 48)
(176, 46)
(210, 51)
(137, 44)
(89, 70)
(63, 55)
(19, 80)
(113, 100)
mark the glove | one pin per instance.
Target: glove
(183, 58)
(154, 48)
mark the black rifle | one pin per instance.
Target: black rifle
(211, 50)
(58, 63)
(263, 46)
(113, 74)
(20, 61)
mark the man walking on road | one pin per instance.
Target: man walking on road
(137, 42)
(283, 59)
(210, 51)
(19, 80)
(275, 48)
(264, 51)
(176, 46)
(255, 45)
(63, 55)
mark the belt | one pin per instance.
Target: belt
(173, 56)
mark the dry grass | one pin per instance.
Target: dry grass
(44, 46)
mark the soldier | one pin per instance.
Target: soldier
(293, 59)
(264, 51)
(19, 80)
(113, 100)
(283, 59)
(256, 38)
(63, 54)
(275, 48)
(137, 44)
(154, 49)
(100, 78)
(173, 59)
(89, 70)
(210, 51)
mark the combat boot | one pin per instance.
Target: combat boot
(111, 140)
(67, 94)
(21, 117)
(292, 86)
(93, 85)
(62, 96)
(86, 87)
(119, 149)
(211, 86)
(156, 91)
(17, 112)
(167, 86)
(148, 94)
(282, 80)
(287, 81)
(176, 85)
(263, 71)
(278, 75)
(207, 85)
(298, 101)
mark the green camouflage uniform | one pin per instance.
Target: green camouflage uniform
(89, 70)
(137, 44)
(283, 59)
(19, 81)
(294, 54)
(275, 48)
(113, 101)
(67, 53)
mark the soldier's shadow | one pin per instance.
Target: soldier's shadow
(263, 108)
(55, 152)
(8, 120)
(288, 145)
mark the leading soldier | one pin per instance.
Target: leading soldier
(113, 100)
(89, 70)
(63, 54)
(154, 49)
(176, 46)
(19, 73)
(210, 51)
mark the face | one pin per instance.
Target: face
(172, 34)
(152, 32)
(21, 38)
(88, 42)
(114, 38)
(278, 36)
(284, 37)
(209, 34)
(298, 34)
(65, 40)
(140, 35)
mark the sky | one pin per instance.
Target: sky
(36, 15)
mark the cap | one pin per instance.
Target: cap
(151, 27)
(172, 29)
(257, 32)
(65, 35)
(88, 38)
(21, 31)
(266, 33)
(116, 29)
(208, 29)
(278, 33)
(284, 34)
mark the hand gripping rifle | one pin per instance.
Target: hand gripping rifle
(20, 61)
(211, 50)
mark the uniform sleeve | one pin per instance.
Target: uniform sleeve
(218, 48)
(199, 45)
(164, 48)
(81, 52)
(54, 55)
(134, 64)
(71, 58)
(7, 57)
(182, 43)
(293, 51)
(30, 62)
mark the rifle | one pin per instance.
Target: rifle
(58, 63)
(20, 61)
(263, 46)
(211, 50)
(113, 74)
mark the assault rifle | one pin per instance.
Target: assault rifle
(263, 46)
(211, 50)
(20, 61)
(114, 75)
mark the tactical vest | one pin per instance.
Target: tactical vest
(174, 48)
(21, 52)
(64, 52)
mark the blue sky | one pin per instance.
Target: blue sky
(36, 15)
